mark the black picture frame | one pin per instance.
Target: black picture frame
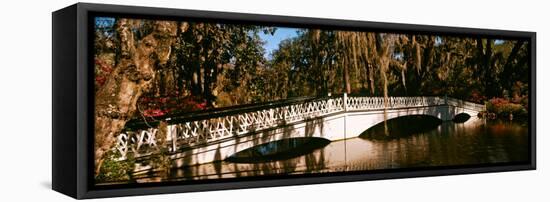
(73, 109)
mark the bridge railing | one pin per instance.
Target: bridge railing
(193, 132)
(377, 103)
(465, 104)
(200, 129)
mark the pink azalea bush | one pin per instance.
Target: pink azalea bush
(503, 107)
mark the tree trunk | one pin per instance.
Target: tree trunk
(196, 83)
(207, 95)
(480, 70)
(507, 72)
(489, 80)
(115, 102)
(347, 86)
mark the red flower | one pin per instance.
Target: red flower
(153, 112)
(106, 68)
(100, 80)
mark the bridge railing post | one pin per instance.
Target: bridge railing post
(173, 134)
(345, 100)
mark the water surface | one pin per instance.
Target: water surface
(474, 142)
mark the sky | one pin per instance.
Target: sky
(272, 41)
(102, 22)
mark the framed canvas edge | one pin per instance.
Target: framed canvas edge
(297, 181)
(85, 109)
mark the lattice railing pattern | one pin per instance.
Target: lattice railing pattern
(373, 103)
(189, 133)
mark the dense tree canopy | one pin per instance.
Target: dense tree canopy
(223, 64)
(147, 68)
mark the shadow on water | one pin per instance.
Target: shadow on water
(401, 127)
(279, 150)
(461, 118)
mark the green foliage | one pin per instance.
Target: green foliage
(467, 68)
(162, 161)
(113, 170)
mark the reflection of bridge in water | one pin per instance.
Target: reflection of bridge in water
(218, 134)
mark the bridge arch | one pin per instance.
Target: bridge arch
(359, 121)
(402, 126)
(279, 150)
(462, 117)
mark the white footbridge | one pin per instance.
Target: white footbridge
(216, 135)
